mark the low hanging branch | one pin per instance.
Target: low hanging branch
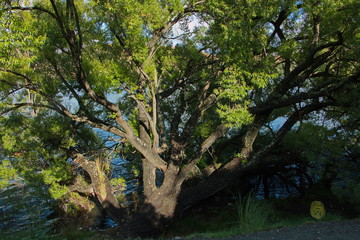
(100, 184)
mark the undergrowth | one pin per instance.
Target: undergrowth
(252, 214)
(248, 215)
(68, 234)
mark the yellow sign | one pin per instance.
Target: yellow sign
(317, 210)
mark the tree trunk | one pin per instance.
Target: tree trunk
(234, 169)
(101, 187)
(168, 201)
(159, 208)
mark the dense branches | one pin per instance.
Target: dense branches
(178, 107)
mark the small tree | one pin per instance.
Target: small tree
(70, 67)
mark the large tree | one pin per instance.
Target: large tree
(187, 104)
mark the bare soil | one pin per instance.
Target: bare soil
(334, 230)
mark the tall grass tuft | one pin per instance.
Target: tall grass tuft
(252, 214)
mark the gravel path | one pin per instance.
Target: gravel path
(335, 230)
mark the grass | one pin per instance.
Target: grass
(246, 216)
(68, 234)
(252, 214)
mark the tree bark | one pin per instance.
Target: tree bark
(167, 202)
(101, 187)
(159, 208)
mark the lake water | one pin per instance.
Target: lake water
(23, 206)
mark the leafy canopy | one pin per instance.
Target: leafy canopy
(68, 67)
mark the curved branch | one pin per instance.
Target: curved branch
(58, 107)
(223, 176)
(160, 32)
(151, 121)
(71, 89)
(208, 142)
(321, 91)
(95, 124)
(20, 105)
(31, 9)
(15, 73)
(100, 184)
(150, 154)
(286, 127)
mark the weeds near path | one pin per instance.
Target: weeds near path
(253, 214)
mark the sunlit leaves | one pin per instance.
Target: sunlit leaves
(55, 176)
(135, 21)
(8, 141)
(19, 41)
(188, 86)
(235, 116)
(236, 84)
(240, 29)
(119, 185)
(105, 75)
(7, 173)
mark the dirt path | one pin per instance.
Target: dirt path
(335, 230)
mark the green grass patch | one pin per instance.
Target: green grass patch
(68, 234)
(248, 215)
(252, 214)
(213, 220)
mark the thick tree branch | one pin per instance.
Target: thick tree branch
(278, 31)
(236, 167)
(203, 105)
(155, 108)
(169, 91)
(37, 8)
(152, 123)
(71, 89)
(176, 145)
(160, 32)
(20, 105)
(256, 158)
(100, 184)
(277, 24)
(321, 91)
(208, 142)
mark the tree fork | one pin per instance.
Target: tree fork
(101, 186)
(159, 208)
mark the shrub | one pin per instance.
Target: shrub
(252, 214)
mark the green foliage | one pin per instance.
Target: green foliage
(318, 145)
(136, 19)
(119, 185)
(7, 173)
(20, 42)
(55, 176)
(224, 221)
(235, 116)
(68, 234)
(348, 193)
(252, 214)
(66, 67)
